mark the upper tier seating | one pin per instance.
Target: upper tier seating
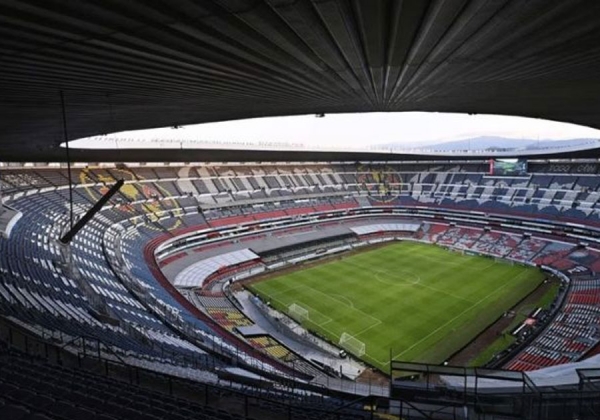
(39, 291)
(573, 332)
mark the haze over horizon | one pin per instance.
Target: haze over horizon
(366, 130)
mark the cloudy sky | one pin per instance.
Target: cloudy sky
(409, 129)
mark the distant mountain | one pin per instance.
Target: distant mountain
(492, 143)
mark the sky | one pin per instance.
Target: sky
(344, 131)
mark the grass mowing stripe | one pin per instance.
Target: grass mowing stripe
(453, 319)
(506, 339)
(402, 296)
(416, 282)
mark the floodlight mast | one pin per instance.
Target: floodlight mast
(66, 138)
(91, 212)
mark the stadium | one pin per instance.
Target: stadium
(226, 283)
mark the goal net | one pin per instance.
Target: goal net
(297, 312)
(352, 345)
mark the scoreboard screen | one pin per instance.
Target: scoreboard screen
(508, 167)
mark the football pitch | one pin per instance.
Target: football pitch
(410, 301)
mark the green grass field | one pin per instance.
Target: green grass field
(506, 339)
(418, 302)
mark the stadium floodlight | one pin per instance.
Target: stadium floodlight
(353, 345)
(298, 313)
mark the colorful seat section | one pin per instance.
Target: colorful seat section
(574, 331)
(39, 291)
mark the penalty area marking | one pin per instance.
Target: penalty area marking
(281, 292)
(330, 296)
(326, 319)
(350, 303)
(364, 330)
(450, 321)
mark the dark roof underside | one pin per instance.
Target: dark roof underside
(135, 64)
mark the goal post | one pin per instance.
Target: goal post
(504, 261)
(352, 344)
(298, 312)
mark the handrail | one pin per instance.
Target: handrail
(272, 396)
(105, 347)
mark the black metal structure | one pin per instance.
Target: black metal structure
(91, 212)
(516, 396)
(143, 64)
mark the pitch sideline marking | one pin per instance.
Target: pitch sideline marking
(431, 257)
(364, 330)
(350, 303)
(491, 264)
(399, 354)
(328, 318)
(379, 321)
(456, 317)
(286, 290)
(377, 360)
(283, 304)
(343, 303)
(445, 293)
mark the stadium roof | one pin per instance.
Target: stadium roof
(133, 64)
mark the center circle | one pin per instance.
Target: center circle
(397, 277)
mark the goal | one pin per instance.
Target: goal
(352, 345)
(297, 312)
